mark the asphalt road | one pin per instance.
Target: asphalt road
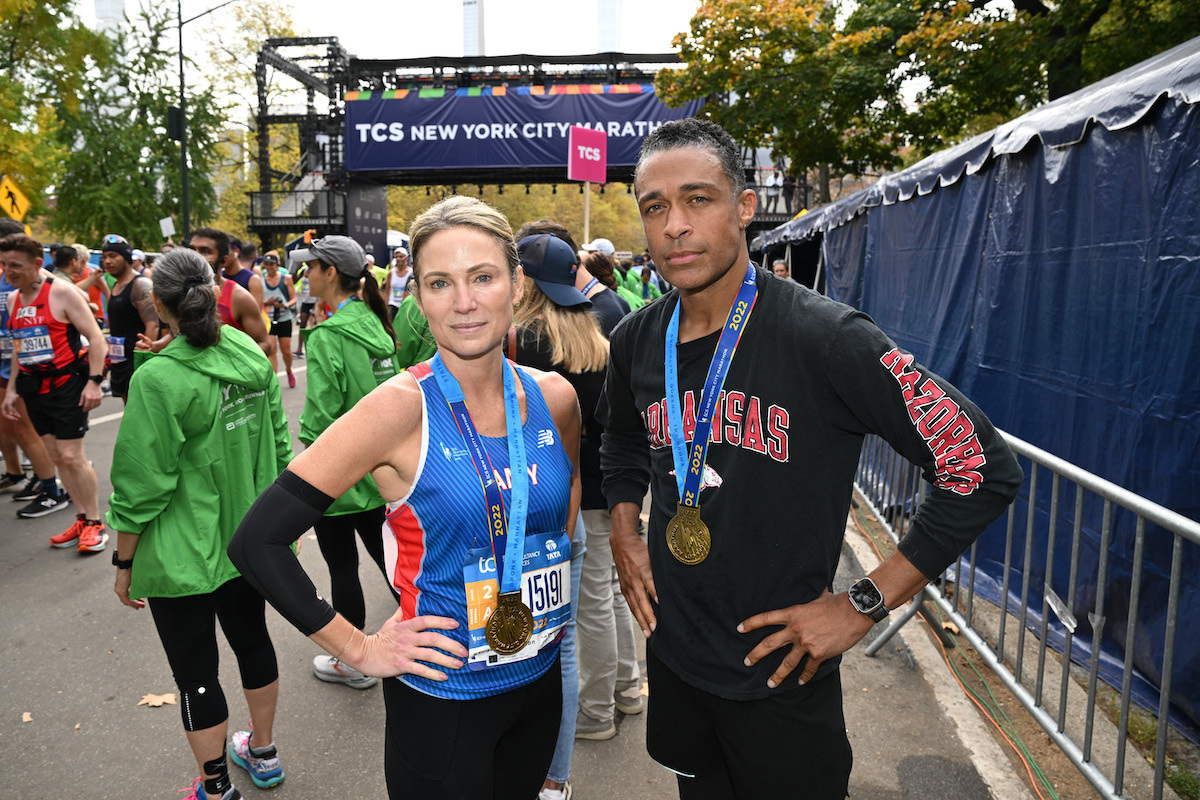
(77, 663)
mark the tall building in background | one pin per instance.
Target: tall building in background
(110, 16)
(473, 28)
(608, 26)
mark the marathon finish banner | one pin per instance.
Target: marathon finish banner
(495, 127)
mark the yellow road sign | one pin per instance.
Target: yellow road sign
(12, 202)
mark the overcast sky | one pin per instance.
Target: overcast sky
(418, 28)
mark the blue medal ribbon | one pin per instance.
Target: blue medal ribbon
(589, 286)
(688, 472)
(507, 530)
(347, 300)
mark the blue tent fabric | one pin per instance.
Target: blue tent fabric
(1051, 269)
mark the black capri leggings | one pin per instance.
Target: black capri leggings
(495, 747)
(188, 630)
(335, 537)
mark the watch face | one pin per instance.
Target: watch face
(865, 595)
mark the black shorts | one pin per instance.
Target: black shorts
(306, 308)
(282, 329)
(57, 413)
(749, 748)
(497, 747)
(119, 375)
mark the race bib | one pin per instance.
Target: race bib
(33, 345)
(6, 348)
(545, 589)
(116, 349)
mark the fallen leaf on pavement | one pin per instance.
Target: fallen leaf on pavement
(26, 717)
(950, 626)
(156, 700)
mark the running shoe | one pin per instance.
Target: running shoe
(594, 729)
(291, 381)
(328, 668)
(197, 792)
(43, 505)
(298, 353)
(263, 769)
(69, 537)
(93, 537)
(31, 489)
(9, 480)
(556, 794)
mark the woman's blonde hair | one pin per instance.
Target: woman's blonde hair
(575, 338)
(461, 211)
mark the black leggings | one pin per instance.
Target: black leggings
(335, 537)
(188, 630)
(496, 747)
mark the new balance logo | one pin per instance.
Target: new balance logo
(545, 438)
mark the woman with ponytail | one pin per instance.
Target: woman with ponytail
(206, 433)
(349, 354)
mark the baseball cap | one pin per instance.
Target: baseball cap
(137, 255)
(401, 248)
(602, 246)
(119, 245)
(335, 251)
(271, 258)
(552, 264)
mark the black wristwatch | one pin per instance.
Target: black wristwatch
(867, 599)
(96, 379)
(119, 564)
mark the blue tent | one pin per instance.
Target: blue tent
(1051, 269)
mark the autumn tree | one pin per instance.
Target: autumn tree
(846, 85)
(45, 53)
(123, 172)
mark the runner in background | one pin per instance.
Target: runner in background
(211, 435)
(463, 720)
(59, 383)
(279, 300)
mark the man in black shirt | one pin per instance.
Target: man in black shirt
(745, 631)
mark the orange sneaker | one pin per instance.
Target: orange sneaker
(69, 537)
(93, 537)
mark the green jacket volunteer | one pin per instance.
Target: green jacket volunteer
(349, 354)
(204, 435)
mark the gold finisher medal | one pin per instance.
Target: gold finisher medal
(510, 626)
(687, 536)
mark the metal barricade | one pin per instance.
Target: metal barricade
(893, 489)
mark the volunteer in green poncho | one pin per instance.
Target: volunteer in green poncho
(349, 354)
(204, 434)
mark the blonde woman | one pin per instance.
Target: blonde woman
(453, 444)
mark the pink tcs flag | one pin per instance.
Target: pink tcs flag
(587, 158)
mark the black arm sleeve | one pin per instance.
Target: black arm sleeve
(261, 550)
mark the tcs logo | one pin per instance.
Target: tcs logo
(588, 153)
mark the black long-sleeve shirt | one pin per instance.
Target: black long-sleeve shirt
(811, 377)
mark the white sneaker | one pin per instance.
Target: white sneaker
(556, 794)
(328, 668)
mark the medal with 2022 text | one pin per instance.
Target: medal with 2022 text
(688, 537)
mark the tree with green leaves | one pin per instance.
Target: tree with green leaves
(824, 83)
(123, 172)
(45, 54)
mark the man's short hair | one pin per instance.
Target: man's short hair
(221, 238)
(703, 135)
(9, 225)
(248, 250)
(22, 243)
(64, 255)
(547, 226)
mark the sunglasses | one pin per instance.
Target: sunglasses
(112, 238)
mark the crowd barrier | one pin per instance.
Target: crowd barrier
(893, 489)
